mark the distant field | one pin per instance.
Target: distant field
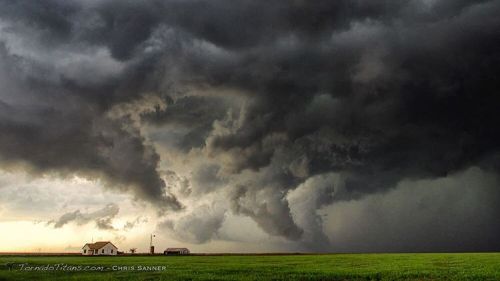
(480, 266)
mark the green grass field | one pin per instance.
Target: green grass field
(480, 266)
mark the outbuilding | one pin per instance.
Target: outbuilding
(176, 251)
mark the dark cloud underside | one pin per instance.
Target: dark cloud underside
(280, 97)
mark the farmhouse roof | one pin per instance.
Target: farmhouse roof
(175, 249)
(98, 245)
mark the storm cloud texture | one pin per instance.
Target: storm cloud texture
(272, 110)
(101, 217)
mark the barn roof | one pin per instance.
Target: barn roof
(176, 249)
(98, 245)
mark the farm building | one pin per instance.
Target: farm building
(99, 249)
(176, 251)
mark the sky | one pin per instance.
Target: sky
(250, 126)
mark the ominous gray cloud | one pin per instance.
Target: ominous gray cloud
(266, 104)
(196, 227)
(102, 217)
(457, 213)
(51, 124)
(315, 193)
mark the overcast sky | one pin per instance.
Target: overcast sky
(228, 126)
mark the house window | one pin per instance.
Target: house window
(84, 251)
(111, 250)
(102, 251)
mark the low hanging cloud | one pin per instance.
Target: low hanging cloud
(134, 223)
(454, 213)
(103, 218)
(268, 105)
(305, 202)
(198, 226)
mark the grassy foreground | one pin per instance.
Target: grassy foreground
(480, 266)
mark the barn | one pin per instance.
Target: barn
(176, 251)
(101, 248)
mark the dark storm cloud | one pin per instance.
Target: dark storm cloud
(55, 127)
(52, 17)
(278, 95)
(206, 179)
(456, 213)
(197, 227)
(193, 113)
(267, 208)
(421, 94)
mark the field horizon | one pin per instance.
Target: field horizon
(375, 266)
(20, 253)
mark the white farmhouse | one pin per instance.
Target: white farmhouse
(99, 249)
